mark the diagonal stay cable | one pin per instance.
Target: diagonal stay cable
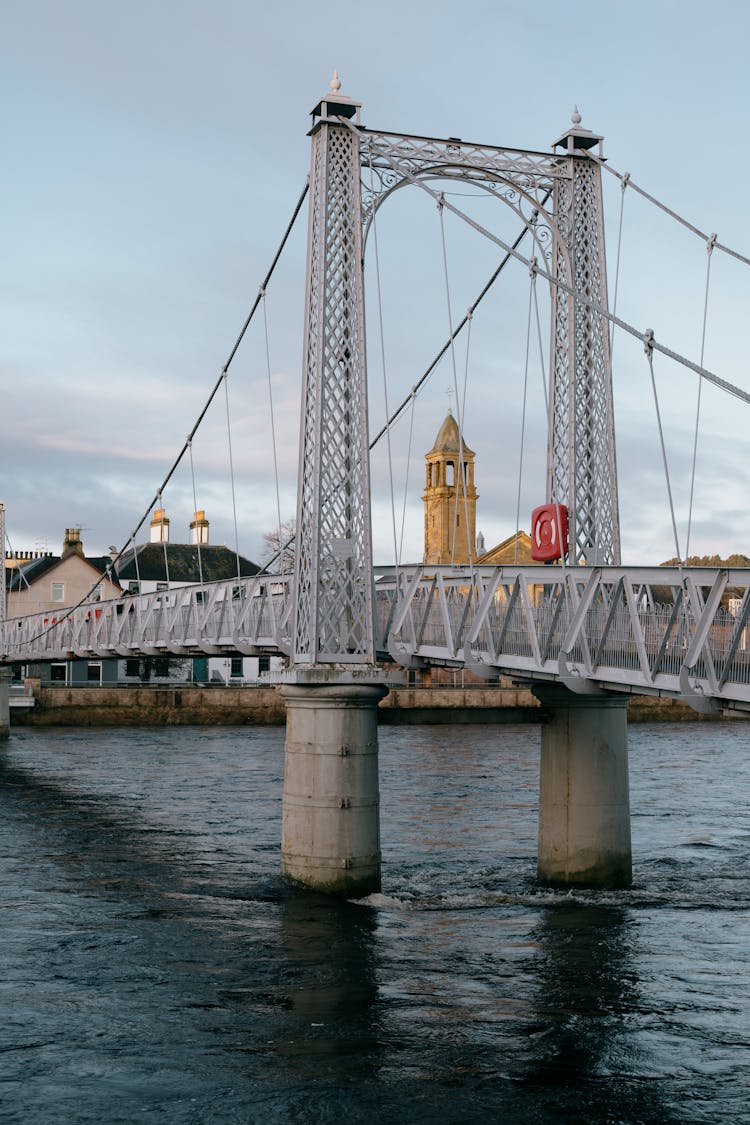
(624, 178)
(201, 416)
(466, 319)
(225, 368)
(401, 169)
(455, 334)
(587, 302)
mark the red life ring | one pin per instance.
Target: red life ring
(549, 532)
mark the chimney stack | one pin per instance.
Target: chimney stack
(160, 526)
(199, 529)
(72, 543)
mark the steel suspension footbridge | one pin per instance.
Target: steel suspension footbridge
(586, 622)
(660, 630)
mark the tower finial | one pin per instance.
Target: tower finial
(335, 83)
(576, 137)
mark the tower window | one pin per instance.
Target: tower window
(449, 472)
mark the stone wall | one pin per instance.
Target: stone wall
(189, 704)
(160, 706)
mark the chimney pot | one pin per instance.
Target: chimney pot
(199, 528)
(160, 526)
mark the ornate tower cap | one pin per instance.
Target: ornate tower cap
(335, 104)
(449, 439)
(578, 138)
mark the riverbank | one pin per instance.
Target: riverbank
(263, 706)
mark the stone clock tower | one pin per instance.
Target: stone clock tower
(450, 498)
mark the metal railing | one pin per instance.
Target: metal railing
(658, 630)
(246, 616)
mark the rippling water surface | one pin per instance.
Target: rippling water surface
(155, 967)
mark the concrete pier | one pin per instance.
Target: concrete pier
(584, 801)
(5, 677)
(330, 838)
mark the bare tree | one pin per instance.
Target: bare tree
(279, 548)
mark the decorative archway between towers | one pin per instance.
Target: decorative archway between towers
(354, 170)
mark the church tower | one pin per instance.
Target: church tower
(450, 498)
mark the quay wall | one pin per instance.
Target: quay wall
(188, 704)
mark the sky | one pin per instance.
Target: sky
(153, 154)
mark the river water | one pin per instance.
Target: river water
(156, 968)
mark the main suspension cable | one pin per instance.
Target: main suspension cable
(132, 537)
(459, 328)
(411, 397)
(227, 364)
(668, 210)
(587, 302)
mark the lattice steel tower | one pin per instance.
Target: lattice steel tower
(333, 621)
(582, 467)
(353, 171)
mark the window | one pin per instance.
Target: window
(58, 673)
(449, 471)
(236, 671)
(264, 664)
(161, 666)
(132, 666)
(161, 586)
(58, 591)
(133, 588)
(94, 672)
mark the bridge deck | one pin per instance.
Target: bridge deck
(658, 630)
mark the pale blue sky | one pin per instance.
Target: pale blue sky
(154, 152)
